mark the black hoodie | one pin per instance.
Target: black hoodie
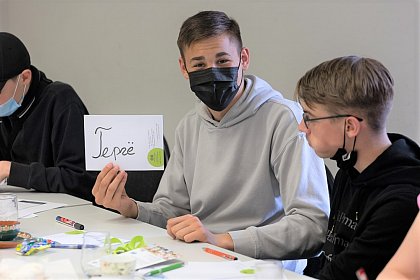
(44, 140)
(372, 211)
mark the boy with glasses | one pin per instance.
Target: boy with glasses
(346, 102)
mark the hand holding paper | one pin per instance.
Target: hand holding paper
(109, 191)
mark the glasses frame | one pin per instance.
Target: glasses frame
(307, 119)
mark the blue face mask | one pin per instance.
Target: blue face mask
(10, 106)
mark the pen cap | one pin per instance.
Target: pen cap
(79, 226)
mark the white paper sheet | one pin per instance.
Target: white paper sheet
(151, 255)
(209, 270)
(134, 142)
(73, 237)
(27, 207)
(68, 238)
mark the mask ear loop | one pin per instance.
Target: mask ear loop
(23, 94)
(239, 65)
(17, 83)
(344, 137)
(341, 153)
(348, 155)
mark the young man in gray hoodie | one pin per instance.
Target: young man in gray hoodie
(240, 176)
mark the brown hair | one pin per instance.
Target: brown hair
(207, 24)
(350, 85)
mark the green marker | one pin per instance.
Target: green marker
(165, 269)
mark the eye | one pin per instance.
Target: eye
(198, 65)
(223, 61)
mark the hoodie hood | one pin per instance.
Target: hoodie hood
(256, 93)
(399, 164)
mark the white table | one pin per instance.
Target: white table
(98, 219)
(31, 194)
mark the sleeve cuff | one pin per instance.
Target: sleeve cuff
(245, 242)
(19, 175)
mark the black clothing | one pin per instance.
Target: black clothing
(44, 140)
(372, 211)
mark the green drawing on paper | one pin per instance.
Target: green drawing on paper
(155, 157)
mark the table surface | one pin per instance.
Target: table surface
(98, 219)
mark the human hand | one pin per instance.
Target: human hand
(4, 169)
(189, 229)
(109, 191)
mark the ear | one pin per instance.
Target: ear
(245, 58)
(26, 77)
(353, 127)
(182, 66)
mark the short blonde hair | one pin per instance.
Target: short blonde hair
(350, 85)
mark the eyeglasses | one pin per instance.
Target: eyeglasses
(306, 119)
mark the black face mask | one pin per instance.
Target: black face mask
(215, 87)
(345, 160)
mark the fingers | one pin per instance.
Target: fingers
(103, 183)
(173, 222)
(170, 223)
(112, 194)
(100, 177)
(120, 191)
(187, 228)
(169, 231)
(109, 186)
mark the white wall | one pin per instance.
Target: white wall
(121, 56)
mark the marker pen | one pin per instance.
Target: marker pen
(220, 254)
(69, 223)
(71, 246)
(165, 269)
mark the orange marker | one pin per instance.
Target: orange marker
(220, 254)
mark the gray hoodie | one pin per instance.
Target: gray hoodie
(252, 174)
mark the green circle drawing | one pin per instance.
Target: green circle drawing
(155, 157)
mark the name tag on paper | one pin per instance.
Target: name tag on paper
(134, 142)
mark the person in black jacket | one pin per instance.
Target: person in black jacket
(346, 102)
(41, 127)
